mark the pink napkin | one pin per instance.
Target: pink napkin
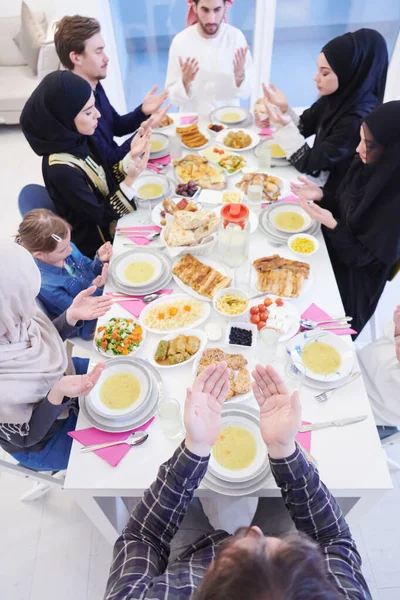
(315, 313)
(135, 307)
(290, 198)
(304, 439)
(164, 160)
(112, 455)
(143, 231)
(265, 132)
(189, 120)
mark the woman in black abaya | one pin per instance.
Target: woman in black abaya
(363, 239)
(351, 81)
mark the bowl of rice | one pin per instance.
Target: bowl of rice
(175, 314)
(231, 302)
(303, 244)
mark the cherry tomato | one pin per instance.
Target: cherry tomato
(263, 310)
(254, 310)
(260, 325)
(267, 302)
(263, 318)
(279, 302)
(261, 307)
(255, 319)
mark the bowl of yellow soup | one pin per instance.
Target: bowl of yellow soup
(138, 270)
(303, 245)
(151, 187)
(231, 115)
(123, 388)
(289, 218)
(159, 145)
(324, 355)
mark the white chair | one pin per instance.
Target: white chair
(43, 482)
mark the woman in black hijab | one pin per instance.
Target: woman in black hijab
(363, 239)
(58, 121)
(351, 81)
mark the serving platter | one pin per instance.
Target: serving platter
(206, 309)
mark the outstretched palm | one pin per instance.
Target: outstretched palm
(204, 404)
(280, 414)
(307, 189)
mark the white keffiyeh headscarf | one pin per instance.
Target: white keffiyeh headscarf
(32, 355)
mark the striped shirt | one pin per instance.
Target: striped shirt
(140, 566)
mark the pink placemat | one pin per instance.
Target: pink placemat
(189, 119)
(289, 198)
(315, 313)
(265, 132)
(112, 455)
(304, 439)
(165, 160)
(135, 307)
(140, 241)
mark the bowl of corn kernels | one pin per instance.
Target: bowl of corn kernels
(303, 244)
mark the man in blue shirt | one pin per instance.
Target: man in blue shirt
(80, 48)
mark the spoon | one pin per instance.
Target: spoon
(146, 299)
(133, 440)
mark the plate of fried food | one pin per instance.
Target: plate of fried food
(165, 211)
(166, 122)
(238, 139)
(272, 186)
(192, 137)
(201, 279)
(281, 276)
(198, 169)
(190, 229)
(240, 365)
(173, 351)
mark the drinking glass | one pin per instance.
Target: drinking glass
(295, 374)
(264, 156)
(169, 412)
(268, 345)
(175, 147)
(254, 197)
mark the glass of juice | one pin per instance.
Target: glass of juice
(169, 412)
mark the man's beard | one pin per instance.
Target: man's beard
(215, 30)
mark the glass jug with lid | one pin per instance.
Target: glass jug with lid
(233, 234)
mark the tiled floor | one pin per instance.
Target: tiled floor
(50, 550)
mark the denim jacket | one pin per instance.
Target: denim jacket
(59, 288)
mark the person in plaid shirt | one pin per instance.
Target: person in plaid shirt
(319, 561)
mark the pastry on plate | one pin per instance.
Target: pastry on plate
(200, 277)
(280, 276)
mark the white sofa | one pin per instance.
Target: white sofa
(17, 80)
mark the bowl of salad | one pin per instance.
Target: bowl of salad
(118, 336)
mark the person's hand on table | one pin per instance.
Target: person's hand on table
(202, 415)
(86, 307)
(189, 68)
(280, 413)
(323, 216)
(101, 280)
(104, 253)
(138, 165)
(72, 386)
(307, 189)
(273, 95)
(156, 118)
(152, 101)
(139, 141)
(239, 64)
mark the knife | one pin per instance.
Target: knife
(336, 423)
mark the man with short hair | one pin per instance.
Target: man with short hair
(80, 48)
(320, 562)
(209, 63)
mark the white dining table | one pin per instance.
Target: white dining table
(350, 459)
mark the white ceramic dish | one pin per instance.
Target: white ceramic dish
(206, 135)
(308, 237)
(285, 318)
(295, 208)
(187, 289)
(199, 333)
(197, 250)
(242, 115)
(133, 257)
(231, 290)
(305, 288)
(248, 327)
(170, 300)
(164, 144)
(215, 158)
(118, 312)
(253, 219)
(319, 335)
(255, 140)
(113, 368)
(147, 179)
(158, 209)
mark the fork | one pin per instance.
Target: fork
(324, 396)
(150, 236)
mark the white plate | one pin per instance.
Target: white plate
(170, 300)
(138, 257)
(206, 135)
(211, 196)
(146, 179)
(199, 333)
(261, 451)
(272, 214)
(253, 219)
(319, 335)
(156, 212)
(114, 367)
(197, 250)
(288, 313)
(255, 140)
(187, 289)
(215, 158)
(242, 114)
(103, 321)
(305, 288)
(247, 488)
(252, 361)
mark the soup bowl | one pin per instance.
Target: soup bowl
(160, 143)
(141, 257)
(278, 210)
(114, 367)
(142, 185)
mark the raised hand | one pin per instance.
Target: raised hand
(275, 96)
(152, 101)
(239, 64)
(190, 68)
(156, 119)
(86, 307)
(140, 141)
(276, 116)
(307, 189)
(203, 408)
(101, 280)
(105, 252)
(323, 216)
(280, 414)
(138, 165)
(73, 386)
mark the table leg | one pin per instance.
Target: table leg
(362, 505)
(108, 514)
